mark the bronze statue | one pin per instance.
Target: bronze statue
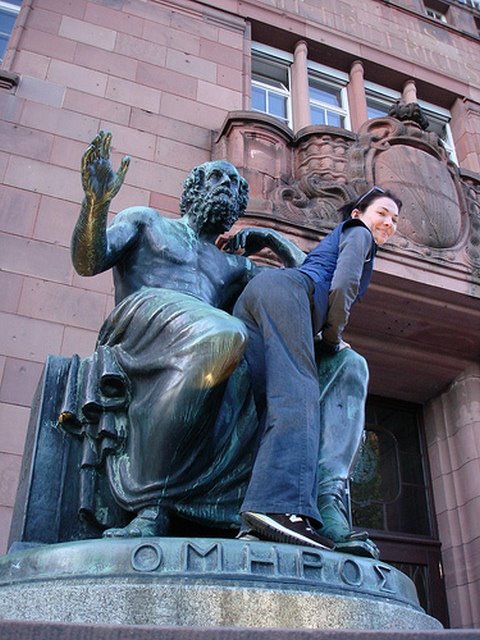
(165, 402)
(169, 332)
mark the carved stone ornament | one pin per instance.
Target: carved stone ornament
(414, 164)
(411, 111)
(320, 185)
(300, 180)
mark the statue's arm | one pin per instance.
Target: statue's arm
(92, 252)
(252, 240)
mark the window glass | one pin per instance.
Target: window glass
(389, 488)
(8, 15)
(270, 85)
(436, 10)
(277, 105)
(379, 101)
(259, 99)
(471, 3)
(436, 15)
(271, 88)
(439, 123)
(322, 116)
(326, 101)
(324, 93)
(377, 108)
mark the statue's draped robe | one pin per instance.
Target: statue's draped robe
(184, 429)
(156, 405)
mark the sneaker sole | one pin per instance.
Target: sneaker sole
(278, 533)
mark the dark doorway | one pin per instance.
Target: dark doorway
(391, 498)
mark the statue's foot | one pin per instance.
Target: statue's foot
(335, 522)
(149, 522)
(366, 548)
(336, 527)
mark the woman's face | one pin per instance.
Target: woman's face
(381, 217)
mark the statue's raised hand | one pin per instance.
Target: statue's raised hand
(248, 241)
(100, 182)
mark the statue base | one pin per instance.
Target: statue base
(205, 582)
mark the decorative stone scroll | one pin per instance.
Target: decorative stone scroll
(320, 165)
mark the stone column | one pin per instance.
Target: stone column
(300, 93)
(356, 96)
(453, 439)
(409, 93)
(465, 126)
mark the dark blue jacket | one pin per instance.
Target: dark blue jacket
(320, 265)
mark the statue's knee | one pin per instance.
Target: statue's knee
(356, 366)
(221, 348)
(231, 333)
(235, 340)
(239, 333)
(356, 361)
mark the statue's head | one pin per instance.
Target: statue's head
(214, 196)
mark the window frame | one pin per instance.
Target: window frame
(436, 10)
(283, 58)
(8, 8)
(431, 111)
(436, 15)
(336, 79)
(477, 24)
(474, 4)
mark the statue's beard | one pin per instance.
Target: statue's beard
(215, 212)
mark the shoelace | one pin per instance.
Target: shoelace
(293, 518)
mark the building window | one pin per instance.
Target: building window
(475, 4)
(389, 485)
(477, 24)
(436, 10)
(271, 83)
(436, 15)
(8, 15)
(327, 96)
(378, 107)
(380, 99)
(439, 123)
(271, 93)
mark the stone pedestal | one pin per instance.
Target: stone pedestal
(206, 583)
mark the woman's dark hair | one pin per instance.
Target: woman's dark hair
(366, 199)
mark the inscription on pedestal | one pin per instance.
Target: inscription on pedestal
(256, 561)
(206, 582)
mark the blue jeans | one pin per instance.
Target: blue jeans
(276, 309)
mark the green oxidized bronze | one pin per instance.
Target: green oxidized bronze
(164, 404)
